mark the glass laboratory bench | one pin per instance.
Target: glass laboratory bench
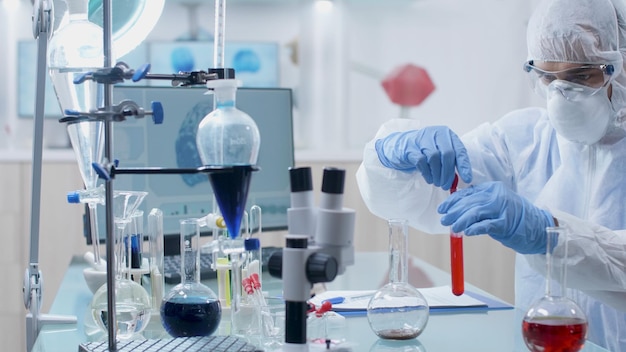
(495, 328)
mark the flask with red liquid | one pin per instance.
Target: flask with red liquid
(555, 322)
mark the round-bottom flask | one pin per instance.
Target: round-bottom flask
(555, 322)
(132, 301)
(190, 308)
(132, 308)
(398, 311)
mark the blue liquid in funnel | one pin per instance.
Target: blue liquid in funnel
(231, 192)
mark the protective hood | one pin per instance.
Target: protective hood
(582, 31)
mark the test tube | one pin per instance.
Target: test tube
(136, 240)
(456, 254)
(156, 247)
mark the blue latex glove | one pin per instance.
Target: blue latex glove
(494, 209)
(435, 151)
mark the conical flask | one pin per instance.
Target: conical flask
(132, 301)
(74, 49)
(190, 308)
(398, 311)
(230, 138)
(555, 322)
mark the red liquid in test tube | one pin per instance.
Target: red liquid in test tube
(456, 254)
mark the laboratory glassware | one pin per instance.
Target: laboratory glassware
(156, 249)
(456, 254)
(228, 137)
(251, 300)
(398, 311)
(86, 138)
(134, 241)
(75, 49)
(555, 322)
(132, 301)
(190, 308)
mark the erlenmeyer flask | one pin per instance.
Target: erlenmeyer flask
(555, 322)
(74, 49)
(190, 308)
(398, 311)
(132, 301)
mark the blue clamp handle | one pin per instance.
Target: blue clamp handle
(69, 112)
(104, 174)
(157, 112)
(72, 197)
(141, 72)
(80, 79)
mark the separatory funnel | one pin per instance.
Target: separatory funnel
(76, 48)
(228, 137)
(132, 301)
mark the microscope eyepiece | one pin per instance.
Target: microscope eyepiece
(301, 179)
(333, 180)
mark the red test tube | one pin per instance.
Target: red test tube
(456, 254)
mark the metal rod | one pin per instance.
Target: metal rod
(108, 154)
(166, 170)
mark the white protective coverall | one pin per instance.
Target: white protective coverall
(582, 186)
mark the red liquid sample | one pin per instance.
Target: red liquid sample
(456, 254)
(456, 263)
(553, 334)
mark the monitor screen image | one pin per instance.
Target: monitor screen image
(141, 143)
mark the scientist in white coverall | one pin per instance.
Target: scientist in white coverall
(561, 165)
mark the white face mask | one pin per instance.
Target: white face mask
(581, 119)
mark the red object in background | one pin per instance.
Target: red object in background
(408, 85)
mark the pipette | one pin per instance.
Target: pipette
(456, 254)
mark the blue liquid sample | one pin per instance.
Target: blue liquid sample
(191, 316)
(231, 192)
(135, 250)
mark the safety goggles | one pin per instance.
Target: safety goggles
(585, 80)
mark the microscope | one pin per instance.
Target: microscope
(319, 246)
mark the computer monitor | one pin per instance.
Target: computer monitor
(141, 143)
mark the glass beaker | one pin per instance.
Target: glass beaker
(190, 308)
(555, 322)
(398, 311)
